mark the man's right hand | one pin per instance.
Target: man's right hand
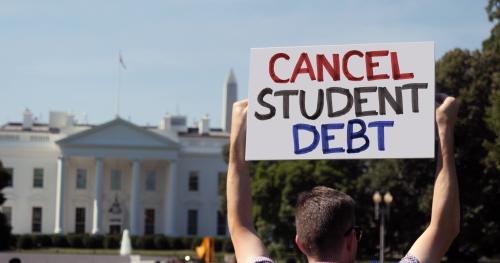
(247, 245)
(238, 133)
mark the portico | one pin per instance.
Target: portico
(119, 158)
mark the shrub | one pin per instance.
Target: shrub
(42, 241)
(59, 241)
(99, 241)
(195, 241)
(133, 241)
(111, 242)
(146, 242)
(176, 243)
(218, 244)
(75, 241)
(25, 242)
(13, 241)
(138, 242)
(228, 246)
(93, 241)
(186, 242)
(161, 242)
(5, 228)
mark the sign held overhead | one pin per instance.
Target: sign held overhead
(341, 102)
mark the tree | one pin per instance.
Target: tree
(4, 226)
(491, 47)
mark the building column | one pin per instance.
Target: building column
(170, 200)
(59, 196)
(97, 215)
(135, 197)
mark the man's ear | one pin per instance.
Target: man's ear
(349, 241)
(299, 245)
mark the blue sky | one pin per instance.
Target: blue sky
(59, 55)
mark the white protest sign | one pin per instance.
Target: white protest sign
(341, 102)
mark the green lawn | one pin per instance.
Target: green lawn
(84, 251)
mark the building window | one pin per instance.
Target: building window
(38, 178)
(10, 177)
(116, 183)
(7, 212)
(80, 220)
(36, 220)
(192, 228)
(221, 224)
(149, 222)
(81, 178)
(193, 181)
(151, 180)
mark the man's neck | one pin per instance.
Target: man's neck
(323, 260)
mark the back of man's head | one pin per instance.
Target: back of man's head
(322, 218)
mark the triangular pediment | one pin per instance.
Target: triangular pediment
(118, 133)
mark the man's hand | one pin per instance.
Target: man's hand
(445, 219)
(238, 133)
(247, 244)
(446, 113)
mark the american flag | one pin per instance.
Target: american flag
(120, 60)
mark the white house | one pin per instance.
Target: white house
(80, 178)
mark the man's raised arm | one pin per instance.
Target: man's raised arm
(247, 244)
(445, 219)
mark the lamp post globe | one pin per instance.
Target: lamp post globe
(388, 198)
(377, 198)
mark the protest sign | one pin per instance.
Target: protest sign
(341, 102)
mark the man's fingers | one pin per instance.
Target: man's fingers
(241, 104)
(449, 101)
(239, 115)
(444, 101)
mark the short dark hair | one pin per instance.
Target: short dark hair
(322, 217)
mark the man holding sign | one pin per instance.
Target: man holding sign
(325, 221)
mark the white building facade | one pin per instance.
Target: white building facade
(74, 178)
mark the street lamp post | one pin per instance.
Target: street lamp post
(382, 206)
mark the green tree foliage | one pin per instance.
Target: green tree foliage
(4, 227)
(491, 48)
(473, 77)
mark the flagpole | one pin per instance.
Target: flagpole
(119, 85)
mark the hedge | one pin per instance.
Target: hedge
(145, 242)
(112, 242)
(25, 242)
(59, 241)
(75, 241)
(42, 241)
(159, 242)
